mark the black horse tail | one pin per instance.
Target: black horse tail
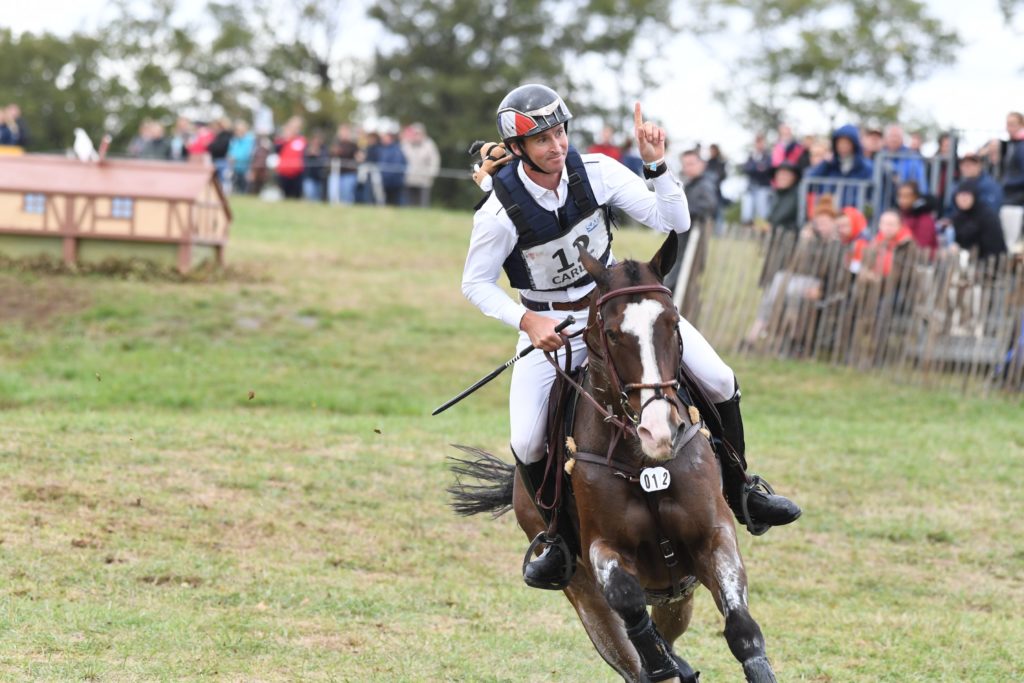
(493, 490)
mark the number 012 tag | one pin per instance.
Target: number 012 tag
(655, 479)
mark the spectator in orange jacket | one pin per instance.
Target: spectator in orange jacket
(851, 224)
(877, 257)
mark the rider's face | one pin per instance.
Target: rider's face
(548, 149)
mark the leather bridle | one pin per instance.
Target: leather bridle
(621, 390)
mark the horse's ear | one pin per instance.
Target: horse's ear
(666, 257)
(596, 269)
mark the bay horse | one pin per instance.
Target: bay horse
(637, 547)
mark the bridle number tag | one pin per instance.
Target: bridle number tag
(654, 479)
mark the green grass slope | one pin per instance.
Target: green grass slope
(240, 481)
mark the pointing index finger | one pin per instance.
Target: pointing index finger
(638, 119)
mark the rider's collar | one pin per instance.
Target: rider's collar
(535, 190)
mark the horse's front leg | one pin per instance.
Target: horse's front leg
(602, 625)
(625, 595)
(720, 568)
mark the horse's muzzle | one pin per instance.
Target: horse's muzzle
(657, 429)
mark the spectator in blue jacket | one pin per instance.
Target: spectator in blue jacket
(12, 126)
(986, 188)
(630, 159)
(240, 151)
(757, 200)
(392, 169)
(901, 164)
(847, 162)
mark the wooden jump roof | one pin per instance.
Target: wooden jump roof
(55, 174)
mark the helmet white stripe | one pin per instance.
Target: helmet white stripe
(548, 109)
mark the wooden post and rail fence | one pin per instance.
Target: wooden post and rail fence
(943, 319)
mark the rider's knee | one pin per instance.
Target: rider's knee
(527, 448)
(721, 386)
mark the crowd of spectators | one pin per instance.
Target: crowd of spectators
(349, 165)
(869, 169)
(970, 199)
(835, 253)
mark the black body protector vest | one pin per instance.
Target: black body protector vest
(546, 255)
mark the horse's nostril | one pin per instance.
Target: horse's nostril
(650, 439)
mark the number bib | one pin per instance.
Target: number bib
(654, 479)
(556, 264)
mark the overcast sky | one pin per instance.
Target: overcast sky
(973, 95)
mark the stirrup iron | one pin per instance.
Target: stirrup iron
(569, 558)
(755, 483)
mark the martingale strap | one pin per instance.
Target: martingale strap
(665, 544)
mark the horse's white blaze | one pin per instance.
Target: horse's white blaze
(602, 566)
(655, 427)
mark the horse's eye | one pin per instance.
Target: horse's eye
(613, 336)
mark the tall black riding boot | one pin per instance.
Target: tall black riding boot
(752, 499)
(554, 567)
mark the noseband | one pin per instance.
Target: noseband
(624, 391)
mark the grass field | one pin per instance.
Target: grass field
(240, 481)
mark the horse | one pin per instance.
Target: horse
(635, 432)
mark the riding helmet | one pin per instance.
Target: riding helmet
(529, 110)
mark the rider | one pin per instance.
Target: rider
(547, 201)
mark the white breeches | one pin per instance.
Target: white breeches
(533, 376)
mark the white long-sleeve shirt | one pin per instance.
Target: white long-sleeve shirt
(494, 236)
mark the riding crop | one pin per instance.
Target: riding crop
(498, 370)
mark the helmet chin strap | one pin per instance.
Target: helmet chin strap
(521, 154)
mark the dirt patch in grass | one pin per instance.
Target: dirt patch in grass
(172, 580)
(54, 493)
(36, 304)
(135, 269)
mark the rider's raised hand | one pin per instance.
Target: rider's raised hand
(650, 137)
(541, 331)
